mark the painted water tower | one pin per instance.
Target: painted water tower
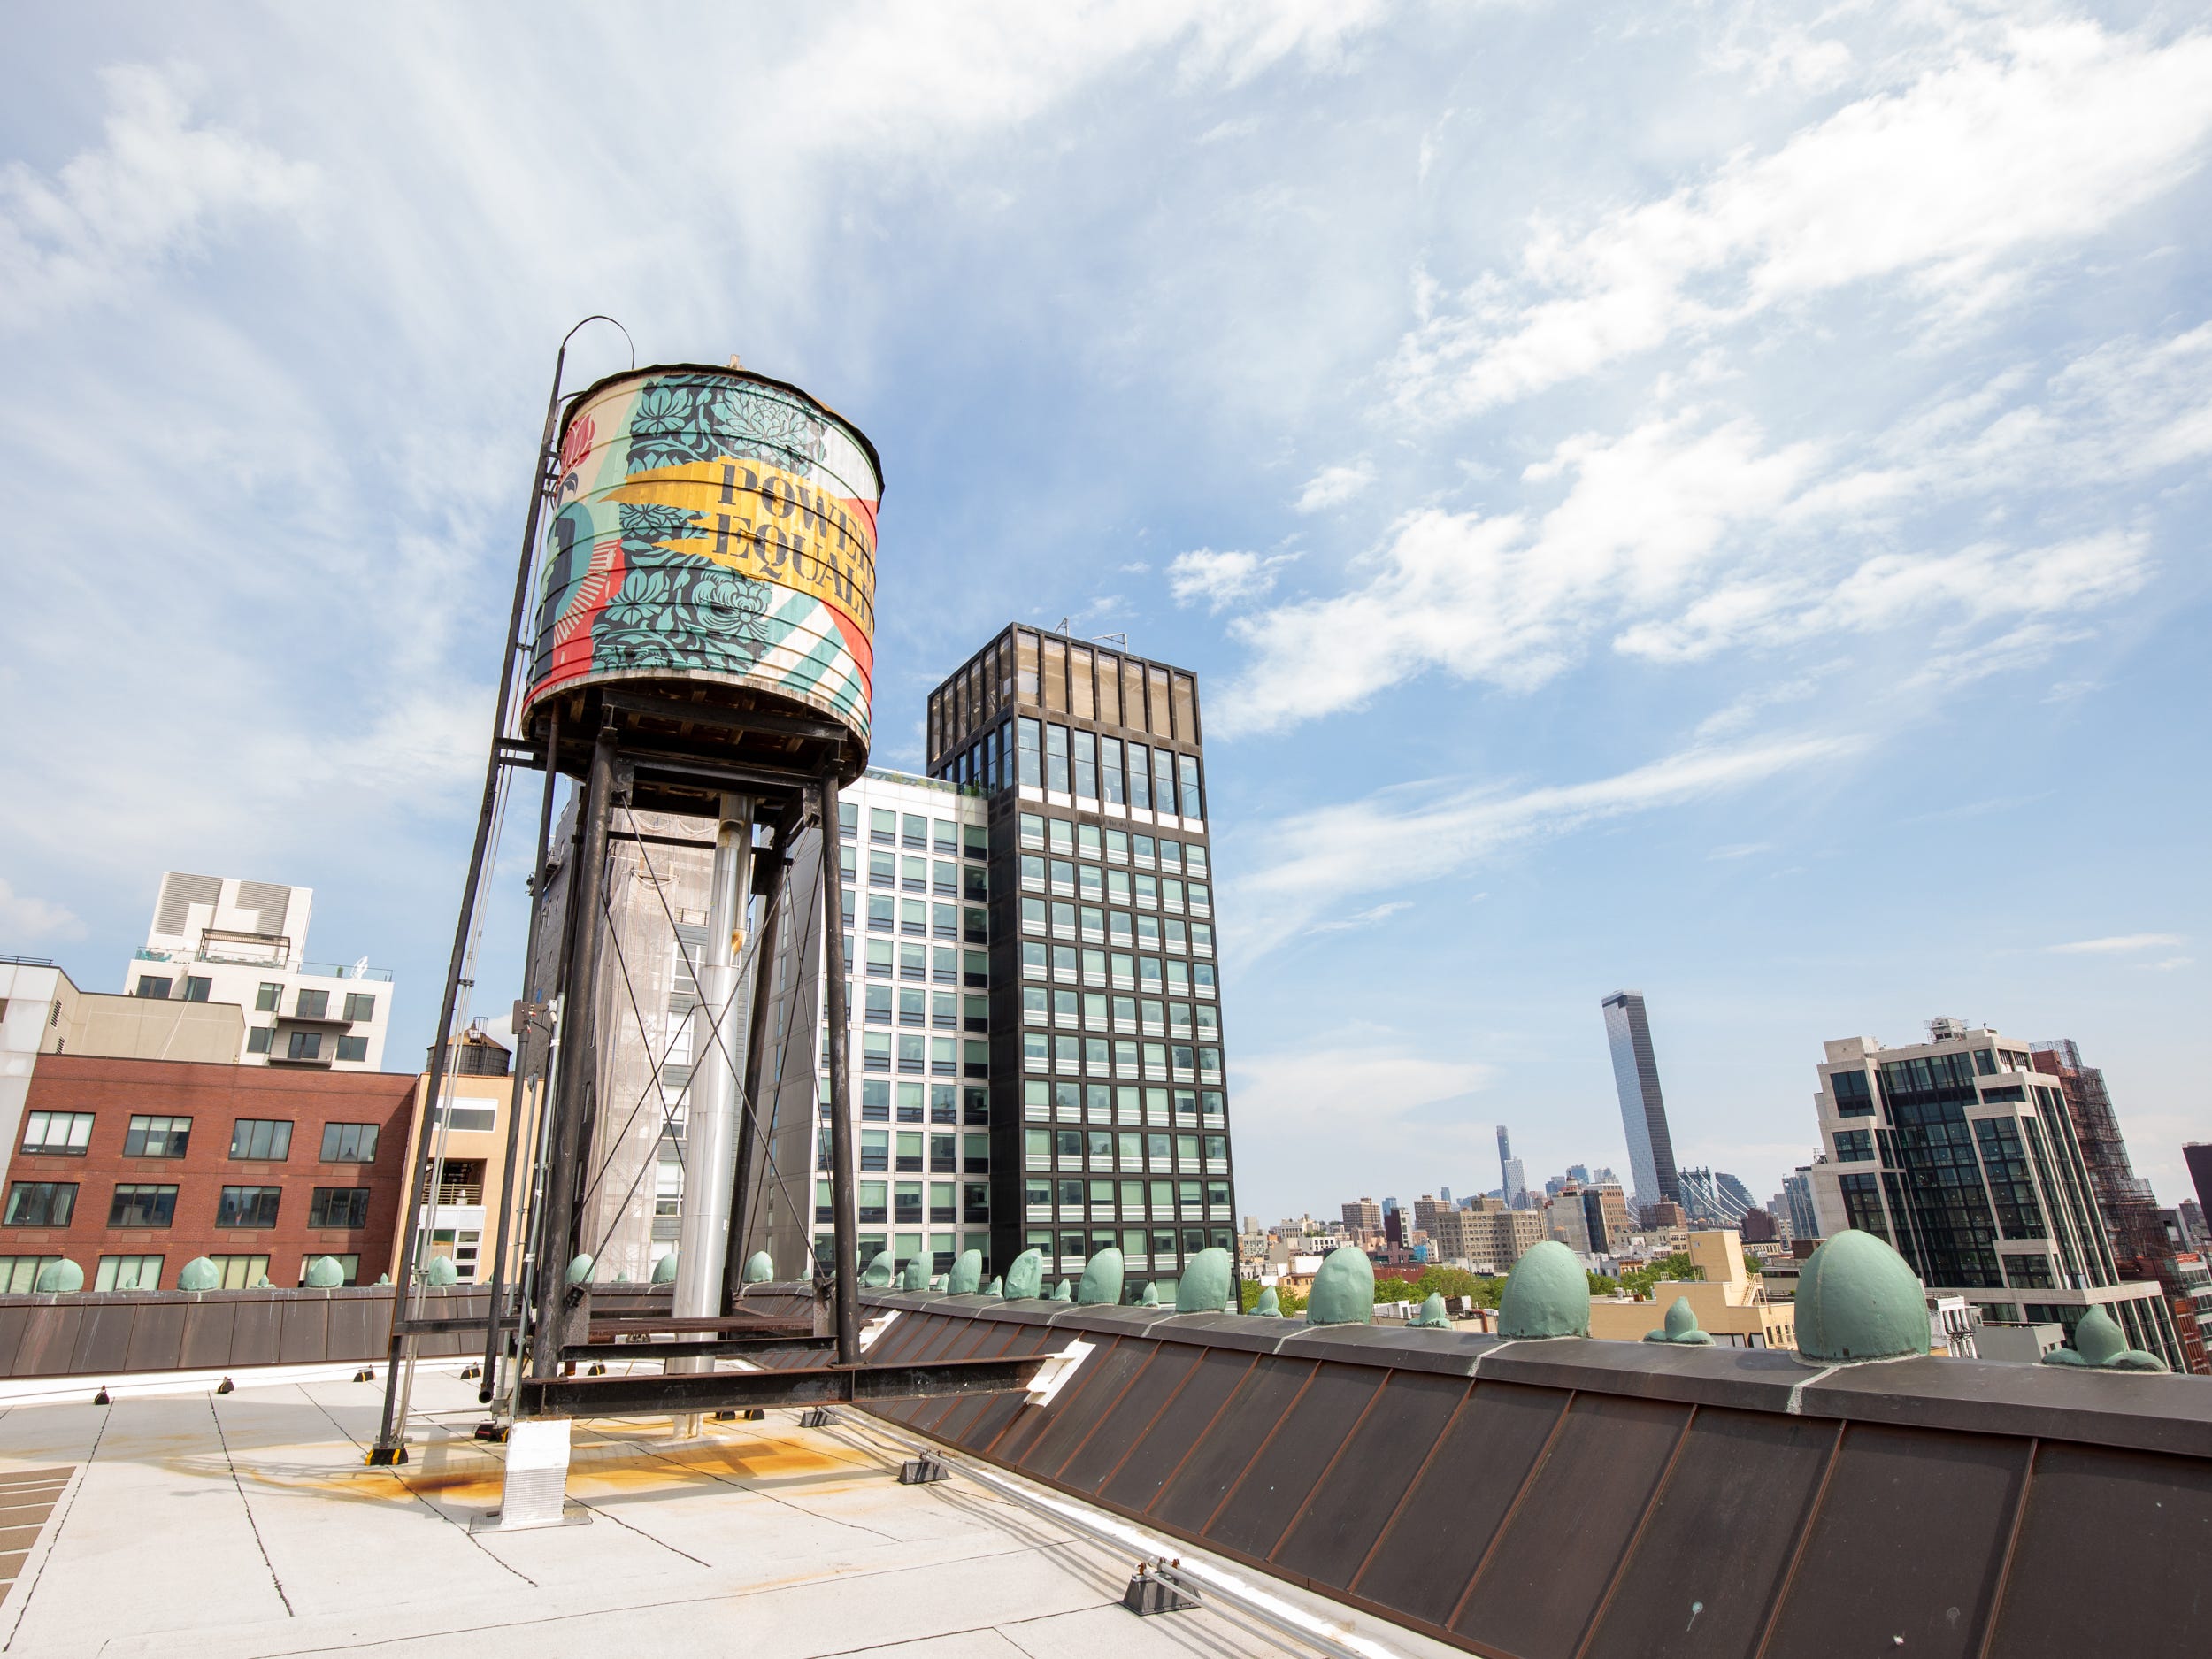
(708, 576)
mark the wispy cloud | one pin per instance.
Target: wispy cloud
(158, 184)
(1333, 485)
(1741, 849)
(1362, 918)
(25, 918)
(1223, 578)
(1955, 184)
(2117, 944)
(1418, 834)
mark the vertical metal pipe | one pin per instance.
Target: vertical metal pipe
(710, 1128)
(848, 1246)
(572, 1104)
(750, 1129)
(390, 1445)
(508, 1175)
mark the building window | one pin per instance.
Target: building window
(1853, 1097)
(157, 1137)
(1854, 1145)
(248, 1206)
(331, 1207)
(360, 1005)
(42, 1203)
(349, 1143)
(150, 986)
(305, 1044)
(265, 1000)
(138, 1204)
(195, 990)
(261, 1140)
(311, 1004)
(258, 1039)
(18, 1274)
(353, 1048)
(240, 1272)
(128, 1273)
(54, 1134)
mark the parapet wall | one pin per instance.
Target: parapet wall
(1613, 1499)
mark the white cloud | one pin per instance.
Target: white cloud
(25, 918)
(1741, 849)
(1362, 918)
(1223, 578)
(1957, 184)
(1418, 834)
(2117, 944)
(1501, 599)
(1333, 485)
(152, 190)
(1369, 1080)
(2168, 965)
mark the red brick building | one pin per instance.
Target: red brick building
(132, 1168)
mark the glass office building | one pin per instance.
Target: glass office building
(1643, 1108)
(1109, 1108)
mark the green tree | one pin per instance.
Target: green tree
(1602, 1284)
(1677, 1266)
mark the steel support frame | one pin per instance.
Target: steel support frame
(741, 1390)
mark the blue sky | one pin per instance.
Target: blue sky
(1711, 501)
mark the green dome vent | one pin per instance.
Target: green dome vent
(877, 1275)
(759, 1268)
(665, 1270)
(58, 1278)
(1025, 1279)
(1546, 1295)
(1681, 1327)
(579, 1271)
(200, 1274)
(1270, 1306)
(917, 1274)
(1102, 1280)
(2100, 1345)
(325, 1273)
(1432, 1315)
(1204, 1288)
(966, 1275)
(1344, 1290)
(1857, 1301)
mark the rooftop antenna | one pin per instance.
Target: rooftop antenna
(736, 362)
(1123, 639)
(1063, 628)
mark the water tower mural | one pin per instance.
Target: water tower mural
(711, 526)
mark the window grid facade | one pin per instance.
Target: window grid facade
(1108, 1113)
(1960, 1157)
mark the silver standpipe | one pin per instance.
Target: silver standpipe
(718, 1060)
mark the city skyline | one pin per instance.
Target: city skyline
(1598, 565)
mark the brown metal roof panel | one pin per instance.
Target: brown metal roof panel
(104, 1338)
(1227, 1450)
(1703, 1575)
(1034, 1421)
(304, 1338)
(356, 1333)
(157, 1336)
(1286, 1470)
(2113, 1555)
(1155, 1385)
(1160, 1450)
(208, 1325)
(1431, 1547)
(928, 1415)
(254, 1337)
(1904, 1552)
(981, 1433)
(15, 1317)
(1111, 1371)
(996, 1339)
(1357, 1501)
(2146, 1412)
(1561, 1546)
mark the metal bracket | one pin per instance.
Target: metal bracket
(1149, 1593)
(923, 1472)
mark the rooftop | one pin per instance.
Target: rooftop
(247, 1525)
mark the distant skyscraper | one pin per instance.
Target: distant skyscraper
(1365, 1216)
(1579, 1174)
(1643, 1111)
(1797, 1198)
(2198, 1155)
(1444, 1193)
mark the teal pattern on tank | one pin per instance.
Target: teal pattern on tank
(683, 418)
(677, 610)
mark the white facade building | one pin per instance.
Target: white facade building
(219, 939)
